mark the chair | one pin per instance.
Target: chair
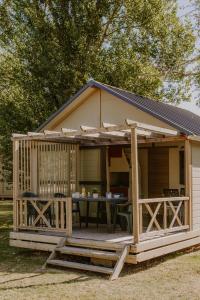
(124, 211)
(171, 192)
(76, 206)
(31, 212)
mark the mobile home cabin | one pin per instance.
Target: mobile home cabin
(111, 177)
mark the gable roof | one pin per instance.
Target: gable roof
(181, 119)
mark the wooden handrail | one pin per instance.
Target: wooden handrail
(156, 200)
(42, 199)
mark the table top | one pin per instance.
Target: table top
(103, 199)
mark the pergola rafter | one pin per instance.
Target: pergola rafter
(108, 133)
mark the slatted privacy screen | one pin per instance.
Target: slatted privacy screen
(46, 168)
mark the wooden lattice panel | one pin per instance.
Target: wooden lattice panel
(46, 168)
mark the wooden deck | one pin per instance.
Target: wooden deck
(102, 235)
(144, 250)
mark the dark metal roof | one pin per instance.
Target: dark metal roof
(181, 119)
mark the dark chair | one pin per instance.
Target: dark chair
(75, 206)
(124, 212)
(101, 210)
(171, 192)
(31, 212)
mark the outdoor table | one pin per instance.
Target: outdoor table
(107, 201)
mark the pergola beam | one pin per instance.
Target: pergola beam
(152, 128)
(107, 131)
(35, 134)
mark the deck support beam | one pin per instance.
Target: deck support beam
(134, 189)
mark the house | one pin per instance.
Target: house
(125, 167)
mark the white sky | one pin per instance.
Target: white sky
(185, 7)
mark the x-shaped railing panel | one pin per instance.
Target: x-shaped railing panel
(175, 210)
(41, 212)
(154, 209)
(153, 216)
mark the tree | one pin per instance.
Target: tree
(49, 48)
(196, 60)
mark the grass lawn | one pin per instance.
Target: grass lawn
(173, 277)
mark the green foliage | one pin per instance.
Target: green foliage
(49, 49)
(196, 14)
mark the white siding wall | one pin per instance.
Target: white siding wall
(196, 186)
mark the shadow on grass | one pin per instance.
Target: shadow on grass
(18, 279)
(74, 280)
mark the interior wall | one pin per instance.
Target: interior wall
(119, 164)
(174, 169)
(143, 163)
(90, 160)
(158, 170)
(90, 171)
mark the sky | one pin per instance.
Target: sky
(185, 8)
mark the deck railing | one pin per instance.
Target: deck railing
(156, 216)
(163, 215)
(54, 214)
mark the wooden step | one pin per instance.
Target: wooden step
(88, 252)
(74, 265)
(94, 244)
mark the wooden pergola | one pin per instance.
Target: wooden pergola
(31, 147)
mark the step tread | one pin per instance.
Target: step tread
(87, 252)
(75, 265)
(94, 244)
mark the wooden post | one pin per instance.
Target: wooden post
(165, 215)
(77, 168)
(107, 171)
(15, 182)
(135, 192)
(108, 210)
(34, 168)
(69, 217)
(69, 167)
(188, 183)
